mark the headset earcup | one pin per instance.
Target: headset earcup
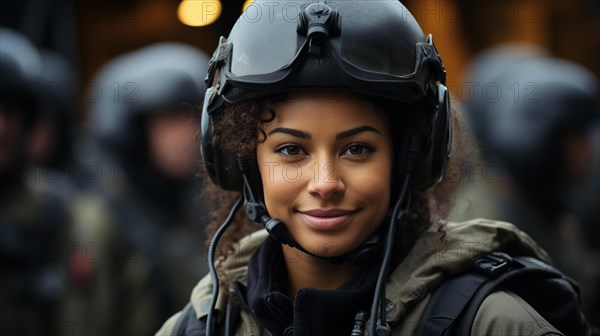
(442, 136)
(221, 166)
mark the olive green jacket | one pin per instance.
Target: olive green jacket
(434, 257)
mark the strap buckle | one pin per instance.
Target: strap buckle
(493, 264)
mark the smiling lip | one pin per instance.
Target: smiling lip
(326, 219)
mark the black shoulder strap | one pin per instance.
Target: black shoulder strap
(439, 316)
(453, 307)
(438, 319)
(543, 287)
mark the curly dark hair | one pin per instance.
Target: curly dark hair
(237, 129)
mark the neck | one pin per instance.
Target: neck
(308, 271)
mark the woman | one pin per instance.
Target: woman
(336, 137)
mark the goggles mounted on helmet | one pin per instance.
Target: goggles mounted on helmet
(320, 51)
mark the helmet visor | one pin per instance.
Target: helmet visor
(278, 41)
(391, 51)
(373, 46)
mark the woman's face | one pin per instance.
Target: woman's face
(326, 166)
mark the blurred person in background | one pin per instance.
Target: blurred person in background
(33, 224)
(50, 148)
(139, 223)
(533, 117)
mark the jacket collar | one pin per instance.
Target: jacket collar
(236, 266)
(315, 312)
(427, 264)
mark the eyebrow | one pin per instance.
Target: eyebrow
(291, 131)
(306, 135)
(349, 133)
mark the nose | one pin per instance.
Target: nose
(326, 182)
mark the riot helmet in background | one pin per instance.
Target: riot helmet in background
(139, 84)
(537, 102)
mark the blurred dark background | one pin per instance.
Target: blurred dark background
(91, 33)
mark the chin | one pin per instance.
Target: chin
(327, 246)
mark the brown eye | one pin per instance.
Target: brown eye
(357, 149)
(291, 150)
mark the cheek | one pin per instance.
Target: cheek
(374, 188)
(280, 195)
(280, 184)
(374, 185)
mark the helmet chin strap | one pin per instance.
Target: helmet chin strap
(257, 212)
